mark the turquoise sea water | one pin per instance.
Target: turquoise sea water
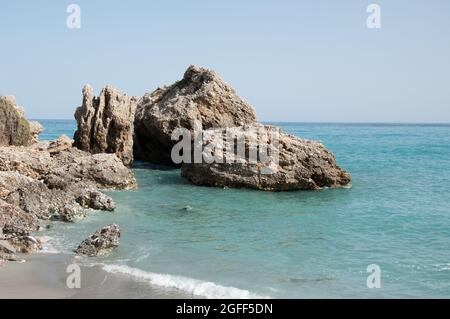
(241, 243)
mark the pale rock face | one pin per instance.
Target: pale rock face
(15, 232)
(105, 123)
(35, 129)
(200, 100)
(14, 128)
(48, 179)
(101, 242)
(62, 143)
(68, 166)
(292, 164)
(95, 200)
(13, 216)
(52, 181)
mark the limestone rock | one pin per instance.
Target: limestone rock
(37, 199)
(292, 163)
(12, 217)
(201, 100)
(35, 129)
(16, 226)
(54, 181)
(10, 181)
(96, 200)
(103, 171)
(70, 166)
(105, 123)
(14, 128)
(70, 212)
(101, 242)
(62, 143)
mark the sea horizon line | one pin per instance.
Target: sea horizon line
(306, 122)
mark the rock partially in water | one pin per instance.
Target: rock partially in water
(103, 171)
(105, 123)
(14, 128)
(96, 200)
(102, 242)
(16, 227)
(201, 100)
(291, 163)
(37, 199)
(70, 166)
(50, 180)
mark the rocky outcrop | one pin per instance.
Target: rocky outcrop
(101, 242)
(14, 128)
(53, 180)
(201, 100)
(96, 200)
(13, 217)
(62, 143)
(105, 123)
(67, 167)
(15, 232)
(35, 129)
(285, 163)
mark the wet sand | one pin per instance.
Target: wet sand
(44, 276)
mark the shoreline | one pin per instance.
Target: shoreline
(44, 276)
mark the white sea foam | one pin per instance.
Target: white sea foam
(195, 287)
(442, 267)
(47, 247)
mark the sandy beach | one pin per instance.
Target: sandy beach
(43, 276)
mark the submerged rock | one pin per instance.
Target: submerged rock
(201, 100)
(101, 242)
(14, 128)
(105, 123)
(292, 163)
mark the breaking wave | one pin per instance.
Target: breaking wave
(195, 287)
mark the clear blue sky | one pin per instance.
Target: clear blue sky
(293, 60)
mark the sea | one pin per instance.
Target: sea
(388, 236)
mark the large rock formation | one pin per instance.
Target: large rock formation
(53, 180)
(284, 162)
(67, 167)
(105, 124)
(200, 97)
(14, 128)
(102, 242)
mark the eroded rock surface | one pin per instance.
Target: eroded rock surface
(16, 227)
(102, 242)
(292, 163)
(14, 128)
(95, 200)
(201, 100)
(105, 123)
(67, 167)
